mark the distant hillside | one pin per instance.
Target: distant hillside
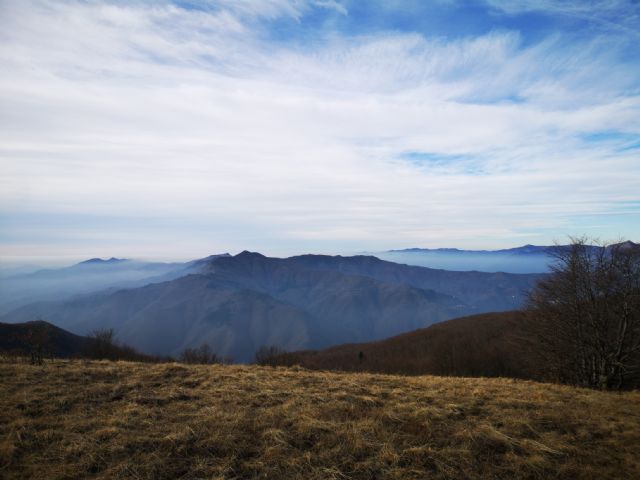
(52, 341)
(237, 304)
(523, 250)
(479, 345)
(55, 284)
(100, 261)
(478, 291)
(20, 338)
(524, 259)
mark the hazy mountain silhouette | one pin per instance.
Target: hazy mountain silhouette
(88, 276)
(237, 304)
(478, 291)
(524, 259)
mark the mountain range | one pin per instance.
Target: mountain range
(88, 276)
(237, 304)
(524, 259)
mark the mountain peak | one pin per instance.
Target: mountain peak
(628, 245)
(211, 258)
(99, 261)
(248, 254)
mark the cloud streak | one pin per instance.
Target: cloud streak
(620, 15)
(213, 137)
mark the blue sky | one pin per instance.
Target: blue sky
(179, 129)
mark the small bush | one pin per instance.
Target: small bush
(201, 355)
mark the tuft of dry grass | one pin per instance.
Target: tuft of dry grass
(98, 419)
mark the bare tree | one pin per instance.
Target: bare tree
(268, 355)
(585, 317)
(37, 339)
(103, 344)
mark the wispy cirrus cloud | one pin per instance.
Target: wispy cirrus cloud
(620, 15)
(186, 128)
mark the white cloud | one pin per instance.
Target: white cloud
(332, 5)
(152, 111)
(619, 15)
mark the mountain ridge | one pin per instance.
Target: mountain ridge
(99, 261)
(238, 303)
(523, 259)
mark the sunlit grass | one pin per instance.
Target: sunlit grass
(77, 419)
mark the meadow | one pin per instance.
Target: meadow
(75, 419)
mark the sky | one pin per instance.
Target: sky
(179, 129)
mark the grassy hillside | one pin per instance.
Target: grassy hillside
(489, 344)
(76, 419)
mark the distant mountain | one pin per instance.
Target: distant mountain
(530, 250)
(525, 259)
(477, 291)
(525, 249)
(628, 245)
(7, 270)
(88, 276)
(236, 304)
(99, 261)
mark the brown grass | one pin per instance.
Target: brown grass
(79, 419)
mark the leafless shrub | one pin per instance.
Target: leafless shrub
(37, 340)
(585, 317)
(200, 355)
(102, 344)
(269, 355)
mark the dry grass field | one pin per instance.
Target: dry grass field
(80, 419)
